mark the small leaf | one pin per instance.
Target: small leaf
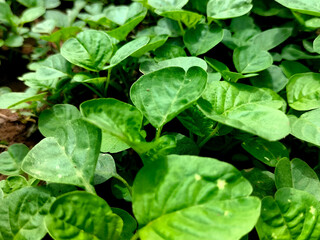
(13, 183)
(81, 215)
(163, 94)
(303, 91)
(202, 38)
(311, 7)
(203, 195)
(251, 59)
(316, 44)
(190, 19)
(292, 214)
(228, 9)
(91, 49)
(160, 4)
(297, 174)
(22, 213)
(10, 161)
(105, 169)
(32, 14)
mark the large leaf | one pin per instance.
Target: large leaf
(217, 9)
(267, 152)
(22, 213)
(163, 94)
(81, 215)
(303, 91)
(91, 49)
(203, 195)
(307, 126)
(251, 59)
(202, 38)
(117, 118)
(297, 174)
(311, 7)
(246, 108)
(10, 161)
(68, 158)
(292, 214)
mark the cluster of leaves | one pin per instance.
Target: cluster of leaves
(240, 78)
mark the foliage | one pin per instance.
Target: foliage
(136, 103)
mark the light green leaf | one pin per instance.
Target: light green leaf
(307, 126)
(10, 161)
(271, 38)
(81, 215)
(105, 169)
(30, 3)
(14, 40)
(251, 59)
(57, 117)
(292, 214)
(272, 78)
(182, 62)
(163, 94)
(70, 157)
(61, 35)
(22, 213)
(297, 174)
(121, 14)
(13, 183)
(160, 4)
(10, 100)
(117, 118)
(153, 44)
(202, 38)
(45, 26)
(91, 49)
(303, 91)
(316, 44)
(246, 108)
(228, 9)
(32, 14)
(61, 19)
(311, 7)
(203, 195)
(190, 19)
(267, 152)
(112, 144)
(5, 13)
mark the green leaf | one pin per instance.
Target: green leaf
(267, 152)
(61, 35)
(183, 62)
(290, 68)
(203, 195)
(316, 44)
(81, 215)
(5, 13)
(307, 127)
(271, 38)
(293, 52)
(30, 3)
(22, 213)
(272, 78)
(13, 183)
(303, 91)
(251, 59)
(127, 50)
(105, 169)
(297, 174)
(70, 157)
(32, 14)
(112, 144)
(55, 118)
(91, 49)
(14, 40)
(202, 38)
(247, 108)
(61, 19)
(160, 4)
(153, 44)
(163, 94)
(117, 118)
(129, 223)
(45, 26)
(311, 7)
(228, 9)
(16, 100)
(10, 161)
(292, 214)
(190, 19)
(262, 182)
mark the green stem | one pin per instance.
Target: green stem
(158, 133)
(121, 179)
(135, 236)
(214, 131)
(93, 90)
(181, 28)
(107, 82)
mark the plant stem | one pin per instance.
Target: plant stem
(158, 133)
(93, 90)
(214, 131)
(121, 179)
(107, 82)
(135, 236)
